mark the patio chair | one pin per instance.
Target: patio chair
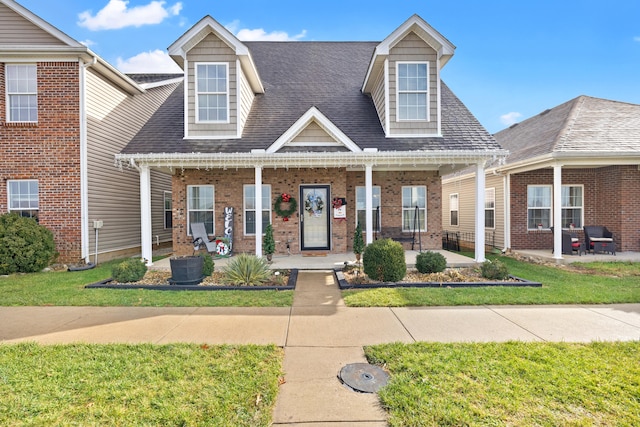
(598, 239)
(570, 243)
(200, 237)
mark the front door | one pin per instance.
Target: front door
(314, 217)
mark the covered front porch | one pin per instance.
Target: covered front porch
(328, 261)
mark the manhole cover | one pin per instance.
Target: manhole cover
(363, 377)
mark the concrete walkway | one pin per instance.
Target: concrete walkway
(320, 335)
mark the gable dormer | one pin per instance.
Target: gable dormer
(221, 81)
(403, 79)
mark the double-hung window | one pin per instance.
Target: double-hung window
(361, 209)
(490, 208)
(538, 206)
(212, 93)
(250, 208)
(200, 206)
(22, 93)
(572, 206)
(412, 90)
(23, 197)
(414, 208)
(453, 209)
(168, 217)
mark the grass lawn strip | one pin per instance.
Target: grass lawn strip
(515, 383)
(138, 384)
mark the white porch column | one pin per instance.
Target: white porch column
(557, 212)
(258, 206)
(146, 236)
(368, 182)
(480, 184)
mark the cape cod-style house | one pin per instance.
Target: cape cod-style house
(347, 132)
(64, 114)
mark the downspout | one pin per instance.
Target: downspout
(84, 175)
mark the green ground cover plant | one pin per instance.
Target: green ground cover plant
(590, 283)
(138, 384)
(64, 288)
(515, 383)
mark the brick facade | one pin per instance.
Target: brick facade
(48, 151)
(611, 199)
(228, 187)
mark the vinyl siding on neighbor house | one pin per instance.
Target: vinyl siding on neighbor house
(15, 30)
(413, 49)
(212, 49)
(113, 118)
(465, 187)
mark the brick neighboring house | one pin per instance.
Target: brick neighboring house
(64, 114)
(582, 156)
(367, 122)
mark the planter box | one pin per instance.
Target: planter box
(186, 270)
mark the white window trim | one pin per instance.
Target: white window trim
(9, 195)
(550, 207)
(245, 210)
(363, 226)
(8, 94)
(457, 209)
(428, 113)
(196, 93)
(574, 207)
(426, 196)
(164, 209)
(490, 191)
(189, 210)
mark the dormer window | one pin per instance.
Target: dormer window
(413, 83)
(212, 92)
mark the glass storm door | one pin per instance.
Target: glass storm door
(314, 217)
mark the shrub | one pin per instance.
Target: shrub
(247, 270)
(129, 270)
(430, 262)
(25, 246)
(207, 265)
(384, 260)
(494, 270)
(268, 244)
(358, 242)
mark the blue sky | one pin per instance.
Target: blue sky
(513, 60)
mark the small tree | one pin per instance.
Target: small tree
(358, 242)
(268, 243)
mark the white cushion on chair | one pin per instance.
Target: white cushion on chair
(601, 239)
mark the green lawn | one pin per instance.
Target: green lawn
(138, 385)
(63, 288)
(592, 283)
(512, 384)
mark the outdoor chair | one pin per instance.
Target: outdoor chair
(570, 243)
(598, 239)
(200, 237)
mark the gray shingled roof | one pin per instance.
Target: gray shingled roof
(141, 78)
(301, 75)
(584, 124)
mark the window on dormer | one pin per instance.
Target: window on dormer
(212, 96)
(412, 90)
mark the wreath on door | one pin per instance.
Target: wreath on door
(290, 206)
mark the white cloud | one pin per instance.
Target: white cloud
(510, 118)
(87, 42)
(636, 39)
(259, 34)
(117, 15)
(155, 61)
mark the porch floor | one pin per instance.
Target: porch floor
(546, 255)
(329, 261)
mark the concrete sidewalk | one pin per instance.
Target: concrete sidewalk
(320, 335)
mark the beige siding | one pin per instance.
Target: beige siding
(377, 94)
(465, 187)
(113, 118)
(413, 49)
(247, 96)
(15, 30)
(212, 49)
(313, 133)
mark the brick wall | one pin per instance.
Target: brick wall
(48, 151)
(229, 192)
(611, 198)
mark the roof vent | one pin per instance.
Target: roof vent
(513, 125)
(544, 112)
